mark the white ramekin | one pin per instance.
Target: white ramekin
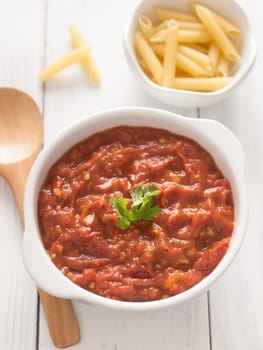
(213, 136)
(190, 99)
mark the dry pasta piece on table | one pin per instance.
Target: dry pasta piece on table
(62, 63)
(87, 60)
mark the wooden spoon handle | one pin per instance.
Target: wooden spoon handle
(61, 319)
(62, 322)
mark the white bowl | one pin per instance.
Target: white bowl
(213, 136)
(188, 99)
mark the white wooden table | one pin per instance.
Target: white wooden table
(229, 317)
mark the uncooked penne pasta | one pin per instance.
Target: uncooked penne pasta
(164, 14)
(200, 48)
(201, 84)
(182, 25)
(184, 36)
(194, 36)
(189, 66)
(159, 37)
(223, 68)
(146, 53)
(170, 48)
(87, 61)
(162, 25)
(213, 56)
(145, 68)
(76, 38)
(186, 63)
(62, 63)
(145, 26)
(158, 49)
(188, 52)
(197, 56)
(218, 34)
(229, 27)
(191, 25)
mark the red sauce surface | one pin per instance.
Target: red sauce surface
(150, 260)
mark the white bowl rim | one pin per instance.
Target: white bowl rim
(71, 290)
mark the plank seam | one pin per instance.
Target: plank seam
(209, 321)
(43, 116)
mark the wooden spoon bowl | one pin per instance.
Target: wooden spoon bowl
(21, 136)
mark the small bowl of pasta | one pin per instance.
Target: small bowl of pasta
(190, 54)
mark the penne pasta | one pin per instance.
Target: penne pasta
(62, 63)
(189, 66)
(230, 29)
(191, 25)
(164, 14)
(182, 25)
(147, 55)
(162, 25)
(218, 34)
(187, 52)
(76, 37)
(197, 56)
(223, 68)
(145, 26)
(201, 84)
(194, 36)
(145, 68)
(200, 48)
(213, 56)
(184, 36)
(87, 61)
(170, 48)
(158, 49)
(159, 37)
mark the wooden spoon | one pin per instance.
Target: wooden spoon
(21, 136)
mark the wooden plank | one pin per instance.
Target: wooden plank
(69, 97)
(183, 327)
(21, 37)
(18, 293)
(236, 306)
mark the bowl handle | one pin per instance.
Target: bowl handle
(46, 275)
(225, 140)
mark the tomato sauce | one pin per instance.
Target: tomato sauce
(151, 259)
